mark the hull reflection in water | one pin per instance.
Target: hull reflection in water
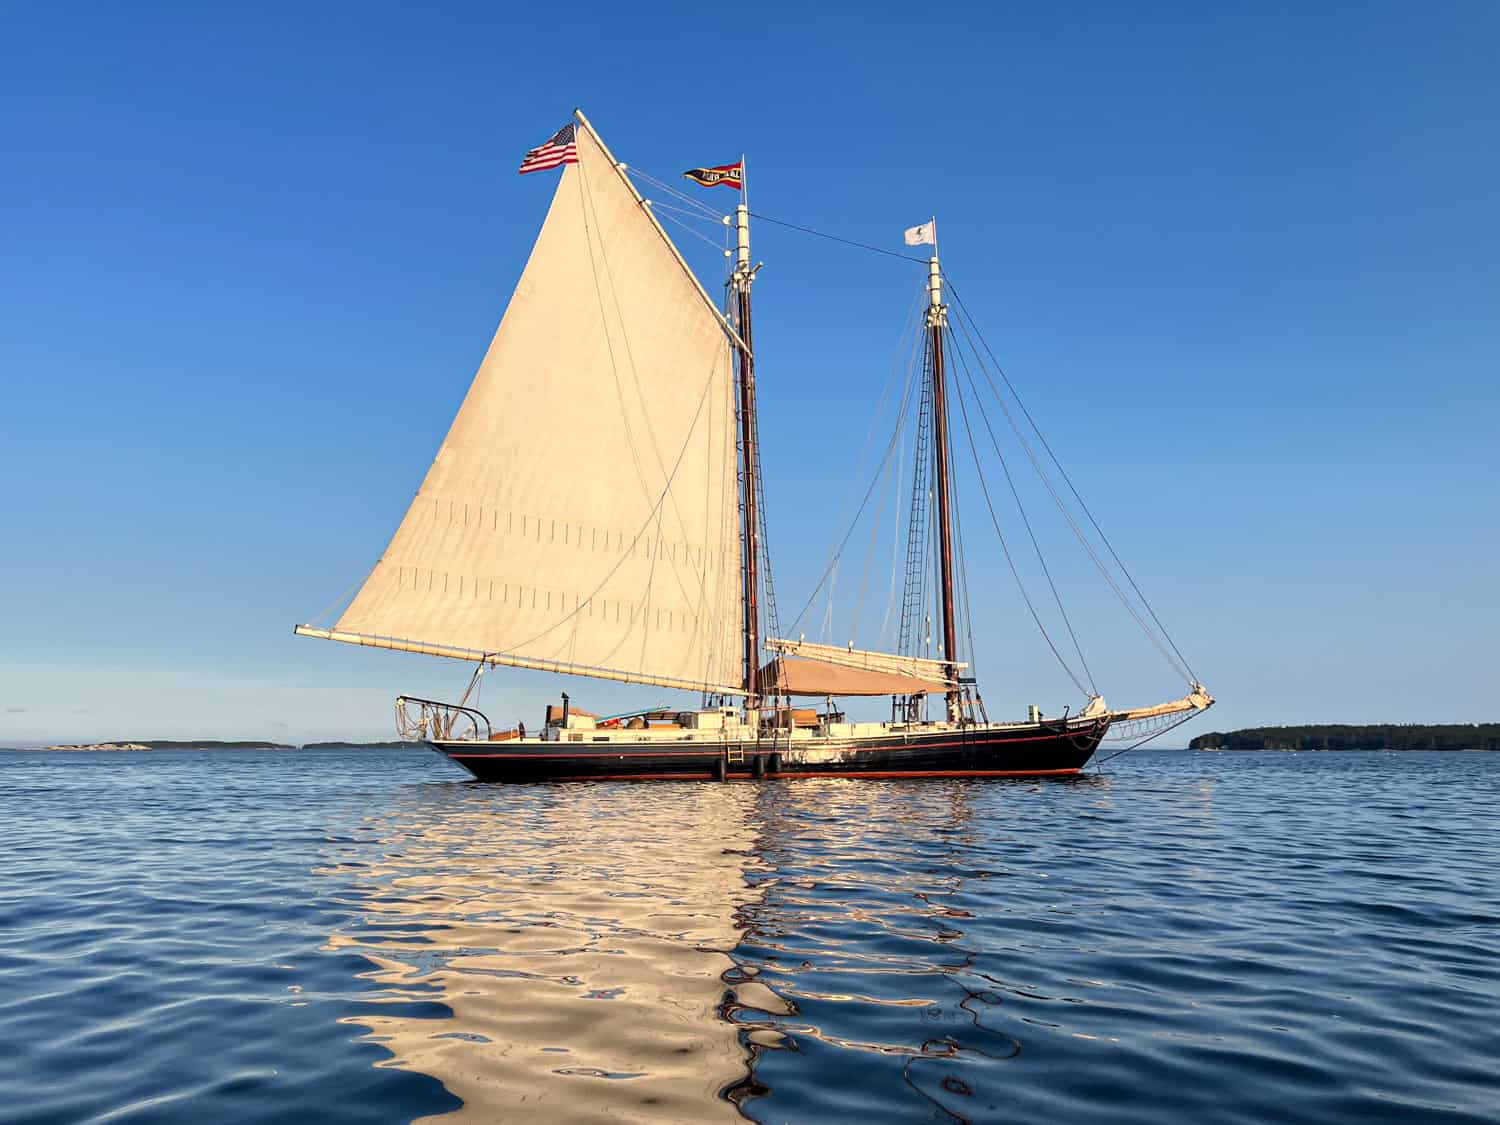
(578, 939)
(858, 933)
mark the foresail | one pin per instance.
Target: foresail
(581, 514)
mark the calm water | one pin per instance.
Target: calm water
(364, 936)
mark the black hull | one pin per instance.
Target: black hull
(1042, 750)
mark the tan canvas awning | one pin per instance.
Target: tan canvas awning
(847, 656)
(794, 676)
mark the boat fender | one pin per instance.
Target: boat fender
(721, 770)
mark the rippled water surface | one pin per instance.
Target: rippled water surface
(365, 936)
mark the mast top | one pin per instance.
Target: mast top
(937, 312)
(742, 271)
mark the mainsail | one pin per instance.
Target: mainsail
(582, 513)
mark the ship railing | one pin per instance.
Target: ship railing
(428, 720)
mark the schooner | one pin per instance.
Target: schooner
(596, 510)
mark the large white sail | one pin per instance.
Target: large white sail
(581, 514)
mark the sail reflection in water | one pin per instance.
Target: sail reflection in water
(578, 938)
(629, 952)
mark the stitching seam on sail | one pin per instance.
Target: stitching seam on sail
(621, 560)
(635, 382)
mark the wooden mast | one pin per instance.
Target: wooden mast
(749, 499)
(937, 318)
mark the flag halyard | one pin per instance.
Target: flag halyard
(561, 149)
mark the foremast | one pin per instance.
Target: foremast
(937, 320)
(740, 282)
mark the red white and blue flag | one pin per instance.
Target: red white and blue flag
(561, 149)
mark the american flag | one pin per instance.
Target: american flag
(561, 149)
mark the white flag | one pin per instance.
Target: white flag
(927, 233)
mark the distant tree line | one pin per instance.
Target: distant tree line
(1337, 736)
(210, 744)
(359, 745)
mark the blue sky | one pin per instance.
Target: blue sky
(1243, 262)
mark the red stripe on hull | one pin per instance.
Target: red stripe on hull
(932, 773)
(894, 774)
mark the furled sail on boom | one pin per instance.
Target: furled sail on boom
(581, 514)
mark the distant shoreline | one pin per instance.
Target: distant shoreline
(1336, 737)
(138, 746)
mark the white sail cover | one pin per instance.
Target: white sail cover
(581, 515)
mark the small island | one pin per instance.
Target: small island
(220, 744)
(1339, 736)
(167, 744)
(99, 746)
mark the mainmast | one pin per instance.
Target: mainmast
(740, 282)
(937, 320)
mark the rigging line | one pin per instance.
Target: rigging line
(654, 551)
(825, 630)
(1005, 547)
(927, 558)
(1151, 737)
(1025, 519)
(891, 380)
(1177, 666)
(345, 595)
(698, 234)
(717, 220)
(839, 550)
(768, 585)
(609, 340)
(646, 598)
(864, 579)
(931, 548)
(650, 516)
(712, 612)
(682, 524)
(1043, 438)
(919, 390)
(859, 599)
(963, 580)
(672, 189)
(836, 238)
(885, 637)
